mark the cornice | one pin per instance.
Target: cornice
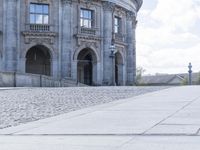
(139, 4)
(66, 1)
(29, 33)
(126, 5)
(88, 37)
(108, 5)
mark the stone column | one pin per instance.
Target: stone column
(66, 39)
(108, 8)
(131, 48)
(10, 36)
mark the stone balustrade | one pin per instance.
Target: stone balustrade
(39, 27)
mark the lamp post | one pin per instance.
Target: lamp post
(112, 56)
(190, 73)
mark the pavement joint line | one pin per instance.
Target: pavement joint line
(14, 89)
(126, 142)
(168, 124)
(177, 111)
(98, 135)
(198, 131)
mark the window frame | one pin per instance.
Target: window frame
(83, 19)
(117, 25)
(43, 13)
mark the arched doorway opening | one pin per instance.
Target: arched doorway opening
(118, 69)
(86, 67)
(38, 60)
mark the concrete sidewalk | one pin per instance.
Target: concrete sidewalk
(163, 120)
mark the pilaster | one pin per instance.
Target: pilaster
(131, 48)
(108, 9)
(66, 39)
(10, 35)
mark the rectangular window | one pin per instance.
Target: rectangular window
(86, 18)
(117, 25)
(39, 13)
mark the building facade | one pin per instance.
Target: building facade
(70, 39)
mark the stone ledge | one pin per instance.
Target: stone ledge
(88, 37)
(39, 37)
(31, 33)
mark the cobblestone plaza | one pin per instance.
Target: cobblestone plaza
(22, 105)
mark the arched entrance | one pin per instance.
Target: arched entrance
(86, 72)
(38, 60)
(118, 69)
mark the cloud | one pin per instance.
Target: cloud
(162, 38)
(172, 60)
(181, 14)
(166, 36)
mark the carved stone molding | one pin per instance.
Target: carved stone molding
(42, 1)
(108, 6)
(130, 15)
(87, 39)
(89, 44)
(120, 11)
(40, 38)
(67, 1)
(88, 3)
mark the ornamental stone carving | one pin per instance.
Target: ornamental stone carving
(108, 6)
(67, 1)
(39, 38)
(130, 15)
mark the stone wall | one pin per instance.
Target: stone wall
(11, 79)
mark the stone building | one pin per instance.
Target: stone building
(70, 39)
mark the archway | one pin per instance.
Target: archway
(86, 66)
(118, 69)
(38, 60)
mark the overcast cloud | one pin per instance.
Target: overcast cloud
(168, 36)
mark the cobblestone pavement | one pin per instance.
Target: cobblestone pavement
(23, 105)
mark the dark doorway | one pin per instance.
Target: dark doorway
(38, 61)
(88, 70)
(86, 61)
(118, 69)
(116, 72)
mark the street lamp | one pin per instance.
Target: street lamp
(190, 73)
(112, 56)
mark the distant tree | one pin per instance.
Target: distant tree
(139, 73)
(185, 82)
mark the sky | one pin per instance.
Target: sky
(168, 36)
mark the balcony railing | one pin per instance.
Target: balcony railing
(39, 27)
